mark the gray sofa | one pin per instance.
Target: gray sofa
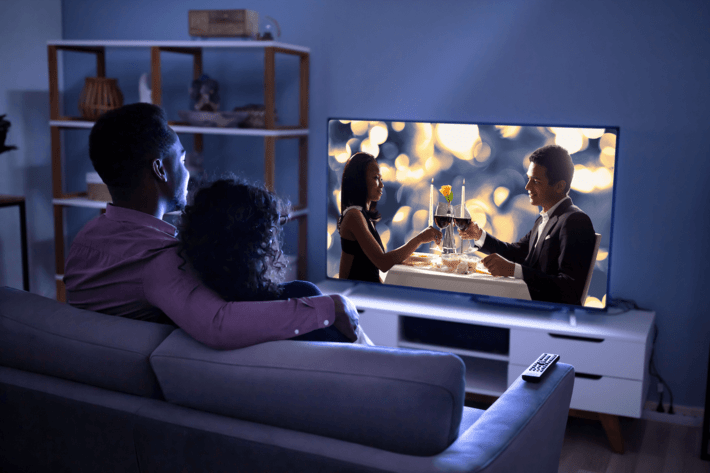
(83, 391)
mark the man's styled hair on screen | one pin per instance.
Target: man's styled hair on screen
(557, 162)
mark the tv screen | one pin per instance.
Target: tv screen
(462, 178)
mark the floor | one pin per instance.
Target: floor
(650, 447)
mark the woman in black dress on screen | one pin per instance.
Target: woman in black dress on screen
(363, 255)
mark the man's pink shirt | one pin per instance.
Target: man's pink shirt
(125, 263)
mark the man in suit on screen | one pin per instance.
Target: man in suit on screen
(554, 257)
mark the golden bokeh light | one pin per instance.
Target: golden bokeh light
(583, 180)
(458, 138)
(368, 146)
(603, 178)
(342, 157)
(398, 126)
(500, 195)
(424, 144)
(359, 127)
(402, 214)
(608, 140)
(336, 194)
(432, 165)
(608, 156)
(509, 132)
(329, 242)
(344, 122)
(378, 134)
(388, 174)
(592, 133)
(593, 302)
(602, 255)
(353, 143)
(402, 162)
(503, 227)
(385, 237)
(570, 139)
(482, 151)
(332, 227)
(420, 219)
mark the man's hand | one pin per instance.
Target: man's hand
(346, 316)
(498, 266)
(473, 232)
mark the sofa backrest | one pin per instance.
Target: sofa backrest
(405, 401)
(45, 336)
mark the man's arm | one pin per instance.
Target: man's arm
(205, 316)
(576, 246)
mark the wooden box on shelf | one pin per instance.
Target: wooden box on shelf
(223, 23)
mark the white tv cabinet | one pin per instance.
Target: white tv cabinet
(610, 353)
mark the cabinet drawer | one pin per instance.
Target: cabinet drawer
(381, 326)
(589, 355)
(607, 395)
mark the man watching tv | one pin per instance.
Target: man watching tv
(125, 261)
(554, 257)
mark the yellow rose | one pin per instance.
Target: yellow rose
(446, 191)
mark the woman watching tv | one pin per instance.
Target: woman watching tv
(230, 236)
(363, 256)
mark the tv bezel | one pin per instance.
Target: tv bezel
(533, 305)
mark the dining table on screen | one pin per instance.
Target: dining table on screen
(472, 283)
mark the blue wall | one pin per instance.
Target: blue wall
(640, 65)
(25, 28)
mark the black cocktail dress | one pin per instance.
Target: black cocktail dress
(362, 268)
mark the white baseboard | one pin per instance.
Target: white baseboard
(682, 415)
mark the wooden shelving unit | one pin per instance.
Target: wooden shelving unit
(270, 133)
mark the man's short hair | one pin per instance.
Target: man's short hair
(557, 162)
(126, 140)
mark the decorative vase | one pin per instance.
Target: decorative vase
(99, 95)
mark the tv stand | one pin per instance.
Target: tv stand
(610, 353)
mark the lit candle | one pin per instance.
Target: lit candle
(431, 203)
(463, 199)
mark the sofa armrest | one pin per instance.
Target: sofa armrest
(522, 431)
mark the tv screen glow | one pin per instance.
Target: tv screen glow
(492, 160)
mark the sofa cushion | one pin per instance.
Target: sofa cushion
(45, 336)
(405, 401)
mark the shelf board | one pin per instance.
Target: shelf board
(195, 43)
(84, 124)
(458, 351)
(97, 204)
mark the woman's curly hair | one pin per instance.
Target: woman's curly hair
(230, 234)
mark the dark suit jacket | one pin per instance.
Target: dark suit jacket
(555, 270)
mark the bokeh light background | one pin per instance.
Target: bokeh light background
(492, 159)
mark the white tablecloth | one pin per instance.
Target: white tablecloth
(475, 283)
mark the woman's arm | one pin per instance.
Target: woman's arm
(354, 223)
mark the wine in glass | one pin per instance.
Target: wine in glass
(444, 219)
(462, 219)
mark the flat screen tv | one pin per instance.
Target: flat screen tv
(487, 167)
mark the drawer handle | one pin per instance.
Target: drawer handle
(588, 376)
(573, 337)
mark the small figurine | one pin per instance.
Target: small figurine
(4, 126)
(205, 92)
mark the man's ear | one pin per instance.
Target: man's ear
(159, 170)
(560, 186)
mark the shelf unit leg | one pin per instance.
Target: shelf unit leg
(269, 88)
(156, 95)
(270, 163)
(59, 248)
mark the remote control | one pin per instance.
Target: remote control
(538, 369)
